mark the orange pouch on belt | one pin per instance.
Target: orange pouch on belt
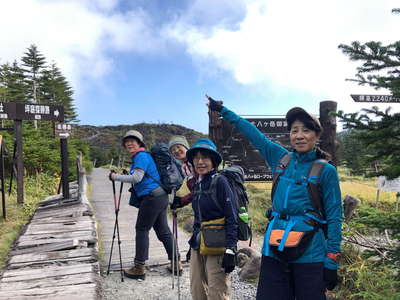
(293, 239)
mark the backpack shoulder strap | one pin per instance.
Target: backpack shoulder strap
(279, 170)
(313, 185)
(212, 190)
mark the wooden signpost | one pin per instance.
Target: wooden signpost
(63, 131)
(236, 149)
(19, 112)
(3, 196)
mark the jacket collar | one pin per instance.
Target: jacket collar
(207, 176)
(304, 157)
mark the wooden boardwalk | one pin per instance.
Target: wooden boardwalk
(102, 201)
(56, 255)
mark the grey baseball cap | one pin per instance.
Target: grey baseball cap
(297, 112)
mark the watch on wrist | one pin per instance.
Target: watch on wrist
(334, 256)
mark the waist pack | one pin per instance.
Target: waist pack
(235, 177)
(212, 237)
(289, 236)
(134, 200)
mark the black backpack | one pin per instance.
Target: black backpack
(235, 176)
(169, 169)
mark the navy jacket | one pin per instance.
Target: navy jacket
(210, 211)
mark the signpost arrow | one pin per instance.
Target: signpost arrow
(63, 135)
(375, 98)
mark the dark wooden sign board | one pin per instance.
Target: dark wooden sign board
(41, 112)
(236, 149)
(375, 98)
(62, 130)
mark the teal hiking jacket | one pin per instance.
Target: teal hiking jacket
(291, 194)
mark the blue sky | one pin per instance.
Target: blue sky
(152, 61)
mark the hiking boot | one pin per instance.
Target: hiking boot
(178, 268)
(136, 272)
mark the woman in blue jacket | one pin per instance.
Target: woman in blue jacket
(209, 274)
(293, 215)
(153, 204)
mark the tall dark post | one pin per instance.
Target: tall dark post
(3, 195)
(20, 162)
(215, 127)
(328, 122)
(64, 168)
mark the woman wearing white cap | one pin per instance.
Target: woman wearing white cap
(153, 202)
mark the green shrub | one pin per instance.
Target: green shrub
(366, 279)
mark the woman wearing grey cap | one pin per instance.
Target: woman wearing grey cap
(178, 146)
(298, 260)
(153, 203)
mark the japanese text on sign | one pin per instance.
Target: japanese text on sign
(237, 150)
(375, 98)
(37, 109)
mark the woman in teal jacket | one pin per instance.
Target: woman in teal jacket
(315, 270)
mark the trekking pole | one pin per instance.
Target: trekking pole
(175, 233)
(170, 200)
(119, 240)
(116, 228)
(173, 250)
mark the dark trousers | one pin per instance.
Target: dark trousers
(152, 214)
(302, 281)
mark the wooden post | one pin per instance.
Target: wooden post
(377, 197)
(397, 201)
(20, 162)
(328, 122)
(215, 127)
(3, 195)
(64, 168)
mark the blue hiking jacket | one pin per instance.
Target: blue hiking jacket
(143, 160)
(211, 211)
(291, 194)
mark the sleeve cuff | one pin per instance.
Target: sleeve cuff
(330, 264)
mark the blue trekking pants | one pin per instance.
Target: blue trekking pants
(300, 281)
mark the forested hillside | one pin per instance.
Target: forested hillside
(105, 141)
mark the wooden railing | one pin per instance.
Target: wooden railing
(80, 173)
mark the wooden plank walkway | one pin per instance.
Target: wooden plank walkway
(103, 206)
(56, 255)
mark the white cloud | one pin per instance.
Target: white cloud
(282, 44)
(293, 44)
(78, 35)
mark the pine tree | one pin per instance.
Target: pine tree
(12, 80)
(378, 131)
(33, 63)
(57, 91)
(376, 59)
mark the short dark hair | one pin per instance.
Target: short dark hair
(308, 123)
(133, 138)
(207, 153)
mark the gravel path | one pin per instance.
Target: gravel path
(158, 286)
(158, 283)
